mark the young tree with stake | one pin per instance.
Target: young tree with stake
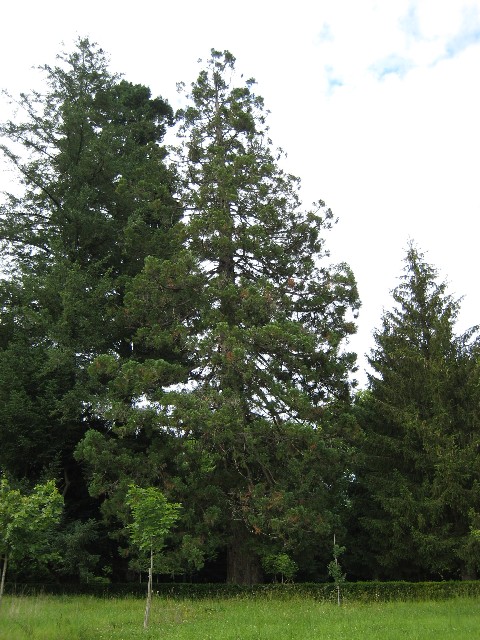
(152, 518)
(334, 568)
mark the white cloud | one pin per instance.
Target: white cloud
(392, 64)
(410, 24)
(467, 35)
(325, 34)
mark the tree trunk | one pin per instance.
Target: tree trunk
(468, 573)
(4, 573)
(243, 566)
(149, 592)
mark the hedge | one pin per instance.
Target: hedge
(350, 591)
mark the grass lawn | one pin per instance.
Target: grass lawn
(88, 618)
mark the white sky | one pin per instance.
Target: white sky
(376, 102)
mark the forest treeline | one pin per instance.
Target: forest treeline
(170, 318)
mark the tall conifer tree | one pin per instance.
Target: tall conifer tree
(420, 468)
(95, 200)
(261, 319)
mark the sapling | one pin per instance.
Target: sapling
(334, 568)
(152, 518)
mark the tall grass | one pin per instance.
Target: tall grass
(88, 618)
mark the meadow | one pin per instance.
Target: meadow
(90, 618)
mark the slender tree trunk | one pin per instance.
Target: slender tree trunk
(4, 573)
(336, 562)
(149, 591)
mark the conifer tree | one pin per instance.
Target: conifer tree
(94, 199)
(261, 319)
(420, 468)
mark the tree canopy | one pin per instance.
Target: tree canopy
(96, 198)
(260, 319)
(170, 320)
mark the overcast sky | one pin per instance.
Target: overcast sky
(377, 104)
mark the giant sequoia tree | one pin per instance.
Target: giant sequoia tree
(420, 465)
(95, 199)
(253, 417)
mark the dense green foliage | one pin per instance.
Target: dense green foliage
(27, 524)
(95, 200)
(170, 319)
(246, 426)
(419, 478)
(372, 591)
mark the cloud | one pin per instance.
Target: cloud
(410, 23)
(325, 34)
(393, 64)
(333, 81)
(468, 35)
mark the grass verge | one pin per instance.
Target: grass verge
(89, 618)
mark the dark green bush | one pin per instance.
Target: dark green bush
(350, 591)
